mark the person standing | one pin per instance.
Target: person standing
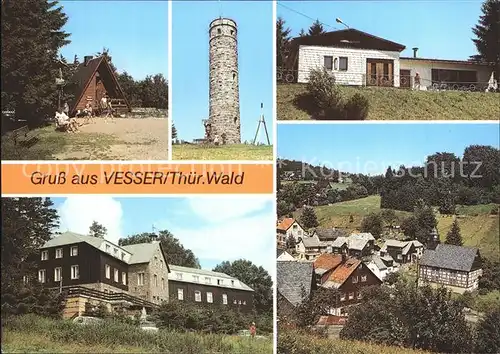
(66, 108)
(417, 81)
(253, 330)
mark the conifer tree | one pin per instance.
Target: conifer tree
(316, 28)
(453, 237)
(308, 218)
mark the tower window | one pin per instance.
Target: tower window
(232, 32)
(235, 119)
(234, 76)
(218, 31)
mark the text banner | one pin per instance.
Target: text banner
(136, 178)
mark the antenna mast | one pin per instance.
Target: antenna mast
(263, 122)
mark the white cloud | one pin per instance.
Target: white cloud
(218, 209)
(77, 214)
(231, 232)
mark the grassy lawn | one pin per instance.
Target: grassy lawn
(478, 228)
(225, 152)
(32, 334)
(50, 143)
(293, 103)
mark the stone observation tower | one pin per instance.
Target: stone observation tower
(223, 125)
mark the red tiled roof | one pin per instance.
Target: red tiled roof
(285, 224)
(327, 261)
(344, 271)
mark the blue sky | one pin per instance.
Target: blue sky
(135, 32)
(215, 228)
(190, 21)
(371, 148)
(440, 29)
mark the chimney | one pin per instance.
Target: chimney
(415, 50)
(86, 59)
(153, 238)
(75, 60)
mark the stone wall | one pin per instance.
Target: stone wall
(223, 125)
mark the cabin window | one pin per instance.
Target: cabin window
(224, 299)
(336, 64)
(124, 278)
(400, 256)
(59, 252)
(220, 282)
(45, 255)
(75, 272)
(363, 278)
(117, 276)
(140, 278)
(57, 274)
(328, 62)
(354, 280)
(239, 302)
(155, 279)
(351, 296)
(244, 302)
(42, 275)
(210, 298)
(342, 296)
(235, 302)
(180, 294)
(360, 296)
(74, 251)
(108, 271)
(197, 296)
(343, 64)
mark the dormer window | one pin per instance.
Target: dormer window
(179, 276)
(115, 251)
(108, 248)
(123, 256)
(196, 278)
(220, 282)
(208, 280)
(232, 282)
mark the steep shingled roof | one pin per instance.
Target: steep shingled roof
(294, 280)
(450, 257)
(342, 273)
(285, 224)
(326, 262)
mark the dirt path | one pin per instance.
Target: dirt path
(122, 139)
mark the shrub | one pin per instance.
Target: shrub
(321, 86)
(356, 108)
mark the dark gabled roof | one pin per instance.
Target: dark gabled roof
(294, 280)
(450, 257)
(279, 252)
(84, 73)
(349, 38)
(330, 233)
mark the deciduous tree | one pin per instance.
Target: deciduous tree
(97, 230)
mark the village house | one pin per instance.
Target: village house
(290, 227)
(328, 235)
(282, 255)
(91, 81)
(458, 268)
(295, 282)
(381, 266)
(349, 279)
(92, 267)
(402, 251)
(325, 264)
(309, 248)
(208, 287)
(94, 270)
(361, 59)
(281, 240)
(355, 245)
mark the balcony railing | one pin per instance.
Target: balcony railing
(114, 297)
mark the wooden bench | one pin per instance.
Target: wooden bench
(24, 136)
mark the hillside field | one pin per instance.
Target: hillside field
(478, 227)
(293, 103)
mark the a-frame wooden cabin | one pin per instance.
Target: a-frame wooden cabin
(91, 81)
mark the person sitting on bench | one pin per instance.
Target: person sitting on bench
(66, 122)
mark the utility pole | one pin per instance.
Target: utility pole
(263, 122)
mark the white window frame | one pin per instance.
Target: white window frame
(197, 296)
(355, 279)
(140, 279)
(59, 253)
(116, 276)
(180, 294)
(342, 296)
(57, 277)
(75, 272)
(210, 297)
(351, 295)
(124, 278)
(363, 278)
(224, 299)
(107, 268)
(73, 251)
(42, 276)
(44, 256)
